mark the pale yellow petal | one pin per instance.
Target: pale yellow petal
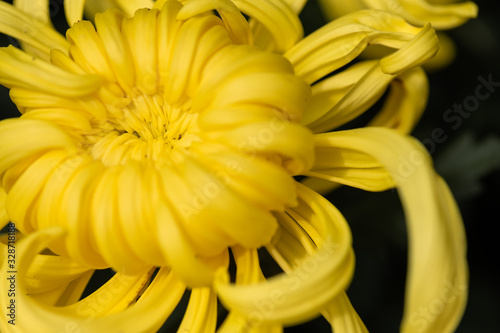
(420, 12)
(437, 272)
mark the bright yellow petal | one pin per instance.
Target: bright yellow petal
(30, 131)
(201, 313)
(234, 21)
(248, 272)
(73, 9)
(18, 69)
(4, 218)
(276, 26)
(349, 167)
(342, 40)
(30, 24)
(130, 6)
(313, 282)
(117, 297)
(342, 316)
(437, 273)
(405, 103)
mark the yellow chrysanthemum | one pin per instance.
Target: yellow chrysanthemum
(442, 14)
(170, 138)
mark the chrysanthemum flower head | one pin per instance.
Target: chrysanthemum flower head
(169, 137)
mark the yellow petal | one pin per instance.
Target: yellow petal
(359, 98)
(312, 283)
(23, 195)
(73, 10)
(108, 26)
(87, 50)
(30, 130)
(248, 272)
(18, 69)
(349, 167)
(342, 316)
(4, 218)
(201, 313)
(129, 7)
(30, 23)
(405, 103)
(156, 303)
(234, 21)
(437, 272)
(419, 50)
(339, 42)
(281, 24)
(420, 12)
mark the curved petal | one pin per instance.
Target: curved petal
(437, 272)
(342, 40)
(30, 23)
(31, 130)
(18, 69)
(349, 167)
(420, 12)
(317, 277)
(276, 27)
(234, 21)
(342, 316)
(248, 272)
(201, 313)
(112, 308)
(406, 102)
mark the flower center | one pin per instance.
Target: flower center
(144, 127)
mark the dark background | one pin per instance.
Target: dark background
(469, 160)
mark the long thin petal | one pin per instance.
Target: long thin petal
(276, 26)
(342, 40)
(405, 103)
(349, 167)
(437, 272)
(420, 12)
(201, 313)
(30, 23)
(342, 316)
(18, 69)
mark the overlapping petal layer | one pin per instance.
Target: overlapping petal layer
(167, 136)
